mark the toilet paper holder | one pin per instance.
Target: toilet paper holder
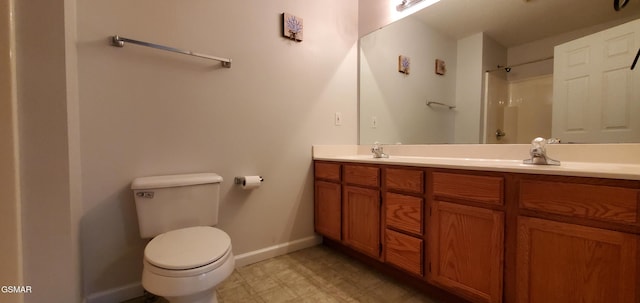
(241, 180)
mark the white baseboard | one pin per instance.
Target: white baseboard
(135, 290)
(276, 250)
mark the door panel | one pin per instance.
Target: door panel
(595, 94)
(561, 262)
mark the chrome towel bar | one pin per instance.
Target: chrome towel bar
(442, 104)
(119, 41)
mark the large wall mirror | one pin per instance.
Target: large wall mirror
(497, 71)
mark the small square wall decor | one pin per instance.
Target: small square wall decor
(404, 64)
(441, 68)
(292, 27)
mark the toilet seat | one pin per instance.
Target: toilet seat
(185, 273)
(187, 251)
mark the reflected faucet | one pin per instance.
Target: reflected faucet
(377, 151)
(538, 152)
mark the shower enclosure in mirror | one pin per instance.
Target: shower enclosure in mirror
(500, 75)
(517, 111)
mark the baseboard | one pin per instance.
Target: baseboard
(119, 294)
(135, 290)
(276, 250)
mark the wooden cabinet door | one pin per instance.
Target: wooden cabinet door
(361, 219)
(561, 262)
(328, 210)
(466, 248)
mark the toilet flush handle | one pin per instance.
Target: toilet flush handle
(145, 194)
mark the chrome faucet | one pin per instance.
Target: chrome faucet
(377, 151)
(538, 153)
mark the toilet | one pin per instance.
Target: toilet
(187, 257)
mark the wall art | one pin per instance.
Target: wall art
(404, 64)
(441, 68)
(292, 27)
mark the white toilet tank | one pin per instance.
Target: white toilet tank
(166, 203)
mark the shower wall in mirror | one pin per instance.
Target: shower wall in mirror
(490, 107)
(518, 110)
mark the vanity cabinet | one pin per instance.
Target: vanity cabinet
(404, 219)
(466, 235)
(486, 236)
(576, 237)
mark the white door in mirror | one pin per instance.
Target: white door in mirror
(594, 92)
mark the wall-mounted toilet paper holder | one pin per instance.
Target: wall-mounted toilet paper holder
(242, 180)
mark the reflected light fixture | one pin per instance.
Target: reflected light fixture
(409, 3)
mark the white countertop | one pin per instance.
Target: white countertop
(628, 171)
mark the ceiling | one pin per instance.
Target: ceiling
(515, 22)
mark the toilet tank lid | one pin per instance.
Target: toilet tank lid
(175, 180)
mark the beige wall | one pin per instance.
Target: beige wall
(48, 194)
(147, 112)
(398, 101)
(10, 230)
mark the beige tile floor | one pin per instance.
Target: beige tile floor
(316, 274)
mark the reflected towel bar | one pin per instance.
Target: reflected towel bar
(442, 104)
(119, 41)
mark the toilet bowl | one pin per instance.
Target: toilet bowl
(185, 265)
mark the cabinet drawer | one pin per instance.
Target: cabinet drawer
(404, 212)
(485, 189)
(599, 202)
(404, 251)
(327, 171)
(362, 175)
(406, 180)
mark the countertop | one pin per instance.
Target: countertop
(627, 171)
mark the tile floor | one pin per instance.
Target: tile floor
(316, 274)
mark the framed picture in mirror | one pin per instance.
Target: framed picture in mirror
(404, 64)
(441, 68)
